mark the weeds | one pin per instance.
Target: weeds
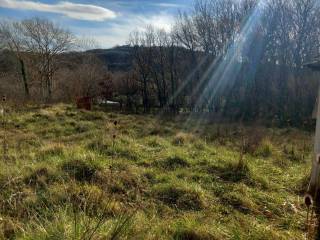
(214, 179)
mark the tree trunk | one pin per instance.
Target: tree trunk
(145, 96)
(24, 78)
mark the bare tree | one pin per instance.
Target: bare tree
(126, 85)
(11, 38)
(142, 43)
(44, 40)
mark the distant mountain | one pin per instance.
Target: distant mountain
(117, 59)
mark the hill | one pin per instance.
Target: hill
(71, 174)
(117, 58)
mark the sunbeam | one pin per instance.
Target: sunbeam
(227, 70)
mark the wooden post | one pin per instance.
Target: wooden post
(3, 123)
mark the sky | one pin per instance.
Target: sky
(109, 22)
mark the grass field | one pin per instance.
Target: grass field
(72, 174)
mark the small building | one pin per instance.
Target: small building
(314, 65)
(84, 103)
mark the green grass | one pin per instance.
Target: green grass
(73, 174)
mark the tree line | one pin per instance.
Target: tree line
(237, 59)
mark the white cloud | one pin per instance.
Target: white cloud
(117, 33)
(161, 21)
(72, 10)
(168, 5)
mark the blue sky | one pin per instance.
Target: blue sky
(107, 21)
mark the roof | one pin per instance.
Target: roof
(314, 65)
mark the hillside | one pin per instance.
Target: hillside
(117, 58)
(72, 174)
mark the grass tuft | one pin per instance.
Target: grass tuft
(173, 163)
(80, 170)
(191, 234)
(40, 178)
(180, 197)
(182, 138)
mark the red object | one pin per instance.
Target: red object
(84, 103)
